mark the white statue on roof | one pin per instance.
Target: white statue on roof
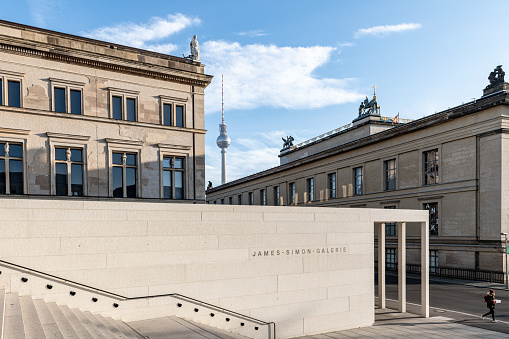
(195, 49)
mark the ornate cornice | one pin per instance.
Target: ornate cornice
(101, 65)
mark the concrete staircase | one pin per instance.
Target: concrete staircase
(22, 317)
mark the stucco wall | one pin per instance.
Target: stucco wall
(244, 258)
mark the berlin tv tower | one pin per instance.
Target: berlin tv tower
(223, 140)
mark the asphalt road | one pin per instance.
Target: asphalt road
(463, 303)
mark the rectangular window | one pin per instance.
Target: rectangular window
(69, 171)
(357, 179)
(222, 201)
(179, 116)
(332, 185)
(75, 102)
(124, 174)
(230, 200)
(173, 177)
(311, 189)
(251, 200)
(130, 109)
(11, 168)
(432, 207)
(59, 98)
(240, 199)
(390, 259)
(276, 196)
(167, 114)
(263, 201)
(390, 175)
(116, 103)
(14, 93)
(291, 187)
(390, 227)
(431, 167)
(433, 261)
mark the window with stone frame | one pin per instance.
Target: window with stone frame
(291, 187)
(391, 261)
(358, 180)
(11, 168)
(67, 96)
(276, 196)
(69, 171)
(173, 111)
(432, 207)
(173, 177)
(230, 200)
(239, 197)
(123, 104)
(310, 183)
(390, 227)
(263, 198)
(390, 175)
(124, 176)
(222, 201)
(10, 88)
(250, 198)
(430, 162)
(332, 185)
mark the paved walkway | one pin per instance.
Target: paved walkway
(391, 324)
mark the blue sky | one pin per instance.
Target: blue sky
(300, 68)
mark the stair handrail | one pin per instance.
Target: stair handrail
(271, 325)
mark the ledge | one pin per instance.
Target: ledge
(431, 197)
(67, 82)
(122, 90)
(169, 146)
(67, 136)
(14, 131)
(124, 142)
(165, 97)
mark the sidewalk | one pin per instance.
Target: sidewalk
(391, 324)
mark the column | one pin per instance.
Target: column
(425, 269)
(401, 266)
(381, 265)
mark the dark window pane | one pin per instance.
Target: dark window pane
(131, 109)
(131, 159)
(167, 184)
(1, 95)
(118, 191)
(2, 177)
(59, 98)
(14, 90)
(16, 176)
(60, 154)
(117, 158)
(179, 116)
(179, 163)
(179, 185)
(61, 179)
(2, 149)
(15, 150)
(76, 180)
(117, 107)
(130, 174)
(76, 155)
(167, 162)
(75, 102)
(167, 114)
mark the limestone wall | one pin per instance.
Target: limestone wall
(309, 270)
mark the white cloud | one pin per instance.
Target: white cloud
(272, 76)
(145, 35)
(384, 30)
(247, 156)
(41, 10)
(253, 33)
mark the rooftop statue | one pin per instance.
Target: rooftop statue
(497, 76)
(195, 49)
(369, 106)
(288, 142)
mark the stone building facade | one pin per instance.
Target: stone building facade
(454, 163)
(81, 117)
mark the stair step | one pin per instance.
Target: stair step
(113, 329)
(94, 331)
(78, 326)
(13, 318)
(2, 307)
(48, 325)
(126, 330)
(99, 325)
(32, 318)
(61, 321)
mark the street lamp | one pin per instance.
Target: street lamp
(506, 271)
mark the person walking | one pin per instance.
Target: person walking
(489, 298)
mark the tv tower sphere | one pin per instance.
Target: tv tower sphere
(223, 140)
